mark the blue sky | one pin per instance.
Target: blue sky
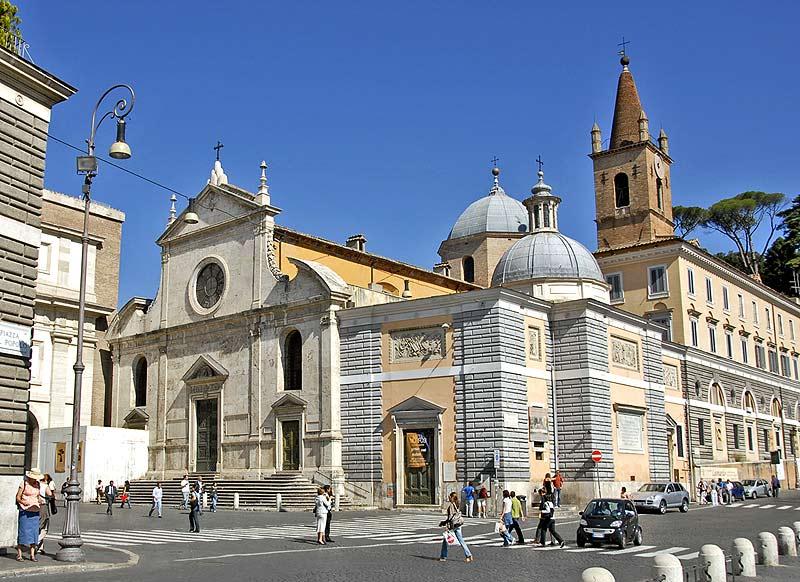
(382, 118)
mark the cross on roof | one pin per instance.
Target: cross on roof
(218, 147)
(624, 45)
(495, 159)
(540, 162)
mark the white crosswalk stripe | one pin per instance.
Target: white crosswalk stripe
(784, 507)
(674, 550)
(767, 506)
(632, 550)
(751, 505)
(691, 556)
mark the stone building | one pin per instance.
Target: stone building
(56, 314)
(27, 95)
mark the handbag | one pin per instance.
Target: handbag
(499, 527)
(451, 539)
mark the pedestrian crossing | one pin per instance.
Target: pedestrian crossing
(775, 506)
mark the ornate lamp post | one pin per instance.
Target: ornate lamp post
(71, 541)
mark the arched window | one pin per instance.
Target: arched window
(622, 196)
(293, 362)
(717, 395)
(750, 403)
(776, 408)
(660, 193)
(140, 381)
(468, 267)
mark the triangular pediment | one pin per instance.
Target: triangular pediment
(289, 400)
(205, 368)
(416, 404)
(136, 418)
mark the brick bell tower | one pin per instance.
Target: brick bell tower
(633, 194)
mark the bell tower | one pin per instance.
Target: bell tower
(632, 185)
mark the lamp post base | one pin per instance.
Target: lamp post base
(71, 542)
(70, 554)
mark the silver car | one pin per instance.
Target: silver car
(755, 488)
(661, 496)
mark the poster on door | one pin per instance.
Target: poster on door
(61, 458)
(416, 447)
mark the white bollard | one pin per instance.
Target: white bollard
(667, 568)
(236, 500)
(597, 575)
(712, 559)
(278, 501)
(787, 545)
(796, 526)
(205, 500)
(336, 502)
(743, 557)
(767, 549)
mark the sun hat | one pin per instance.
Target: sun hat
(34, 474)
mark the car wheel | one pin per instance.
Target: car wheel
(580, 542)
(684, 505)
(662, 507)
(622, 541)
(754, 495)
(637, 538)
(769, 493)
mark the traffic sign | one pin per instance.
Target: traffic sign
(497, 457)
(597, 456)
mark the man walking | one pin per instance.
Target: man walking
(329, 494)
(185, 492)
(158, 494)
(776, 486)
(516, 516)
(111, 496)
(547, 521)
(469, 497)
(558, 482)
(194, 511)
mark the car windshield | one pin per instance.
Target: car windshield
(748, 482)
(604, 508)
(652, 488)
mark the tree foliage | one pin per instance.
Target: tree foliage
(791, 228)
(687, 219)
(740, 217)
(777, 272)
(9, 22)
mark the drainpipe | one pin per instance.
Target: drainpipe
(688, 415)
(785, 458)
(551, 353)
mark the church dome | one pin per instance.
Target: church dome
(496, 212)
(546, 255)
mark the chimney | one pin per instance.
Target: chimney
(357, 242)
(442, 269)
(407, 289)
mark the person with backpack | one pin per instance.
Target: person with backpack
(452, 525)
(547, 511)
(194, 510)
(776, 486)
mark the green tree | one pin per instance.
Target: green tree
(687, 219)
(733, 259)
(791, 226)
(777, 272)
(9, 22)
(740, 217)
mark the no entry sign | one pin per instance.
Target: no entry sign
(597, 456)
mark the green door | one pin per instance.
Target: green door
(420, 467)
(291, 445)
(207, 434)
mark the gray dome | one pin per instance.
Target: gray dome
(546, 255)
(496, 212)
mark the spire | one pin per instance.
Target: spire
(497, 189)
(663, 141)
(262, 196)
(171, 218)
(627, 109)
(597, 138)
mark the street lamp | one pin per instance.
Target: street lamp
(71, 542)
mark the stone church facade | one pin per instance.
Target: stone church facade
(270, 350)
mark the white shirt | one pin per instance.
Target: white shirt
(158, 493)
(506, 505)
(184, 486)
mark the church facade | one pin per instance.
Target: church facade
(270, 350)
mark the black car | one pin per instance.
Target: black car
(609, 521)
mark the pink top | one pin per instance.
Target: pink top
(29, 498)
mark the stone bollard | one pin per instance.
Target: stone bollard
(767, 549)
(712, 560)
(236, 500)
(597, 575)
(278, 501)
(743, 557)
(796, 526)
(205, 500)
(338, 498)
(667, 568)
(787, 545)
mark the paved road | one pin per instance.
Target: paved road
(398, 546)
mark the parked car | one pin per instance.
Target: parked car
(755, 488)
(661, 496)
(738, 491)
(609, 521)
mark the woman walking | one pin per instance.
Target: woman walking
(125, 496)
(453, 525)
(505, 519)
(322, 506)
(547, 521)
(483, 496)
(29, 503)
(194, 510)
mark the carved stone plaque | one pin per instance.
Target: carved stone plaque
(624, 353)
(535, 344)
(415, 345)
(670, 376)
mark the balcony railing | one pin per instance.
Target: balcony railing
(18, 46)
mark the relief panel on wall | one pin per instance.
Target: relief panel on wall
(416, 345)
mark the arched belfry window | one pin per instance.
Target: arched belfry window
(468, 265)
(622, 195)
(293, 362)
(660, 193)
(140, 381)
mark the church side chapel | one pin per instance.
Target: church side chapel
(269, 352)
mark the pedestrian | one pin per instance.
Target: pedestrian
(99, 491)
(483, 498)
(322, 507)
(469, 497)
(776, 486)
(505, 518)
(729, 491)
(452, 525)
(329, 494)
(214, 496)
(158, 495)
(198, 485)
(701, 492)
(516, 517)
(125, 496)
(194, 511)
(52, 508)
(111, 496)
(558, 483)
(714, 494)
(547, 522)
(624, 494)
(29, 504)
(46, 493)
(64, 486)
(547, 483)
(185, 489)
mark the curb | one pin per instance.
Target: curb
(133, 560)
